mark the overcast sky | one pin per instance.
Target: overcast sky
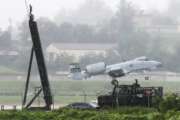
(15, 10)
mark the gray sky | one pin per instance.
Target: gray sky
(15, 10)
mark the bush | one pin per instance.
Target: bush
(170, 102)
(124, 113)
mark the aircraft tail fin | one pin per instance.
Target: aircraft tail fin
(75, 71)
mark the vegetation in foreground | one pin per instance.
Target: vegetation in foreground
(168, 109)
(126, 113)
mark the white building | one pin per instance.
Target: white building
(77, 50)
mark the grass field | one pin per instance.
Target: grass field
(66, 91)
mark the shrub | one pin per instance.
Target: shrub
(170, 102)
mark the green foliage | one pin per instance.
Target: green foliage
(124, 113)
(156, 101)
(170, 102)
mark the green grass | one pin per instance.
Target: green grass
(76, 88)
(6, 70)
(67, 91)
(10, 100)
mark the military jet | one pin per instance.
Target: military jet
(114, 70)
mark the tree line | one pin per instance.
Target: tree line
(158, 40)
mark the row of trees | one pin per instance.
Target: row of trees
(122, 27)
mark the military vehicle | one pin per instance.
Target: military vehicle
(131, 95)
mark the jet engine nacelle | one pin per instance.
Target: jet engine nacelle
(117, 73)
(95, 69)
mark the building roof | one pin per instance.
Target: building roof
(83, 46)
(8, 53)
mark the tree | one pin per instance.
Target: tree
(173, 8)
(91, 12)
(162, 19)
(5, 40)
(48, 31)
(66, 32)
(83, 33)
(61, 64)
(24, 37)
(131, 42)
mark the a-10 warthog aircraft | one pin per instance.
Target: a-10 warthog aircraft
(114, 70)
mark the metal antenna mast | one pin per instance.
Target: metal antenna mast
(37, 49)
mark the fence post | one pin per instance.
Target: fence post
(2, 107)
(14, 107)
